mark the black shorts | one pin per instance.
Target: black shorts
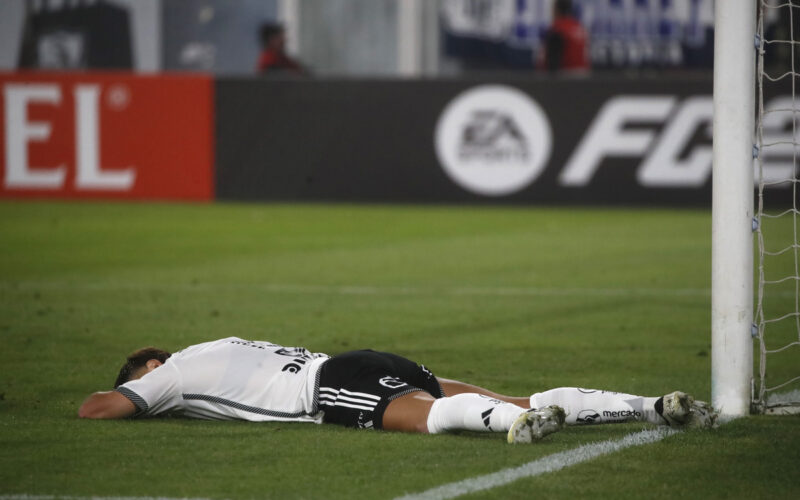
(356, 387)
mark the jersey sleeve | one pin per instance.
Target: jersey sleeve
(157, 392)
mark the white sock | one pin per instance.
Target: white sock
(588, 406)
(471, 412)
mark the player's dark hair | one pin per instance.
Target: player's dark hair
(137, 360)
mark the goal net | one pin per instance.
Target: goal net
(776, 387)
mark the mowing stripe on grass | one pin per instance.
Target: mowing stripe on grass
(550, 463)
(312, 289)
(355, 289)
(67, 497)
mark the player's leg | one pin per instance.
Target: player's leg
(453, 387)
(589, 406)
(409, 413)
(433, 409)
(369, 389)
(582, 406)
(421, 412)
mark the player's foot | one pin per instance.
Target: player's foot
(679, 409)
(534, 424)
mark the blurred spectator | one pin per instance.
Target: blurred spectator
(273, 59)
(565, 44)
(76, 35)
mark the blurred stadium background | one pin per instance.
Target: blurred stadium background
(440, 178)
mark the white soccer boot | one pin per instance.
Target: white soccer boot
(534, 424)
(681, 410)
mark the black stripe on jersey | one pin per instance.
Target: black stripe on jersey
(139, 402)
(240, 406)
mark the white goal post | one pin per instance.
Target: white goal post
(732, 207)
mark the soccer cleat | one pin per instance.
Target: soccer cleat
(702, 416)
(679, 409)
(533, 424)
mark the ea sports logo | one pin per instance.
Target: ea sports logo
(493, 140)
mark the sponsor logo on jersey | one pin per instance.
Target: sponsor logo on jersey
(622, 414)
(293, 367)
(391, 382)
(588, 417)
(362, 424)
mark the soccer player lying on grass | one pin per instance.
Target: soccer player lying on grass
(259, 381)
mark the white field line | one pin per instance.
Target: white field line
(93, 497)
(352, 289)
(550, 463)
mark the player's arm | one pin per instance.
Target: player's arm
(107, 405)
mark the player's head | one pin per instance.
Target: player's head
(563, 7)
(140, 362)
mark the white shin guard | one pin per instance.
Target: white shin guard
(588, 406)
(471, 412)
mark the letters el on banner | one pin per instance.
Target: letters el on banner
(106, 136)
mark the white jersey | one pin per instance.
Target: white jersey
(233, 379)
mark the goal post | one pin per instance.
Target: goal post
(732, 207)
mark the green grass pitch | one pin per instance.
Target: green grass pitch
(515, 299)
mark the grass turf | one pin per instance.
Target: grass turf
(515, 299)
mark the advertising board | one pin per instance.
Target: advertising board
(106, 135)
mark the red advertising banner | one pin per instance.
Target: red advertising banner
(106, 135)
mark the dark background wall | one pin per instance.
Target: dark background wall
(374, 141)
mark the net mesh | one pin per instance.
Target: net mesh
(777, 316)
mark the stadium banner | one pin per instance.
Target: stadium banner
(622, 33)
(599, 140)
(106, 135)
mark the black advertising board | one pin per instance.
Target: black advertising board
(549, 141)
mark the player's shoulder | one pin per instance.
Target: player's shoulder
(202, 347)
(226, 342)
